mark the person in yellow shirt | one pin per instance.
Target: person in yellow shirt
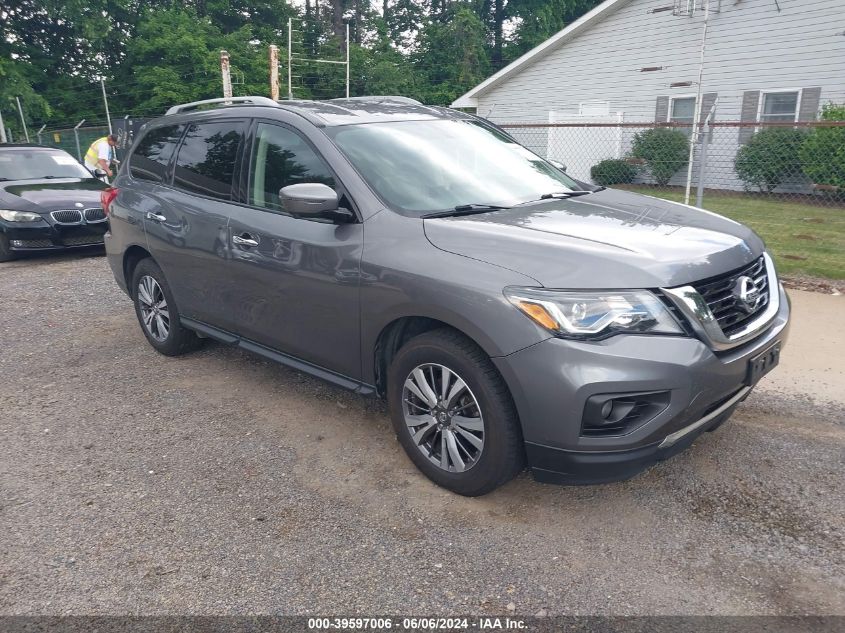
(101, 154)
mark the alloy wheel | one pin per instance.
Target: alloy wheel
(443, 417)
(155, 314)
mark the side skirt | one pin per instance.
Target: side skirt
(280, 357)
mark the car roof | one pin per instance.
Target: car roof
(329, 113)
(352, 111)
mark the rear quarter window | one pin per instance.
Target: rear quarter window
(152, 154)
(207, 157)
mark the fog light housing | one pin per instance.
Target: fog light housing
(612, 414)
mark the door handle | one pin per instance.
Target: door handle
(245, 240)
(156, 217)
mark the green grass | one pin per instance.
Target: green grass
(803, 238)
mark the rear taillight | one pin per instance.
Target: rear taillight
(107, 196)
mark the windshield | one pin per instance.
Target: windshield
(425, 166)
(26, 164)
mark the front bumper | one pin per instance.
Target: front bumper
(46, 237)
(552, 380)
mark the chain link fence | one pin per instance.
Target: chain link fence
(77, 140)
(775, 160)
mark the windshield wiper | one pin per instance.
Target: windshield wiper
(465, 209)
(564, 194)
(556, 195)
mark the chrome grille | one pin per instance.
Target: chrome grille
(720, 295)
(67, 216)
(94, 214)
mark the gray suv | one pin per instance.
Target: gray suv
(508, 313)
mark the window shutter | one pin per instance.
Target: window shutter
(750, 107)
(707, 101)
(809, 108)
(661, 110)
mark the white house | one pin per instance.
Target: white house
(641, 61)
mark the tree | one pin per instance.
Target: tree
(155, 53)
(451, 57)
(537, 20)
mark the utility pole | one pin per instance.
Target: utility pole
(290, 58)
(227, 78)
(2, 130)
(697, 114)
(106, 102)
(274, 72)
(23, 122)
(347, 59)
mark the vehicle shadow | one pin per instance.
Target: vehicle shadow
(46, 258)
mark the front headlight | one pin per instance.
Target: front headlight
(575, 314)
(19, 216)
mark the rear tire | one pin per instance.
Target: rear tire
(157, 312)
(464, 411)
(6, 253)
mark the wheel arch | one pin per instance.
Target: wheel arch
(396, 333)
(131, 257)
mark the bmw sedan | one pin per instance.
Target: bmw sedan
(48, 201)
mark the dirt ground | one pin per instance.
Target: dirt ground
(219, 483)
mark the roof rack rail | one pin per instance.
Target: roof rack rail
(260, 101)
(382, 98)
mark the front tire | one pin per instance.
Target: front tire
(453, 413)
(157, 312)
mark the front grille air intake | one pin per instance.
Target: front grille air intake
(720, 294)
(83, 240)
(733, 308)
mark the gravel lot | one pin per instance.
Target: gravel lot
(219, 483)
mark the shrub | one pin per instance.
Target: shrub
(664, 151)
(769, 158)
(612, 171)
(823, 152)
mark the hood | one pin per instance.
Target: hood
(607, 239)
(49, 194)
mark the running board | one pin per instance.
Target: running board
(293, 362)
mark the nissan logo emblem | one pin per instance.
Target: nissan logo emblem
(747, 294)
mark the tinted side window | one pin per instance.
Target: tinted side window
(280, 157)
(150, 158)
(206, 160)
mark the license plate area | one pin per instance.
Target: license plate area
(762, 364)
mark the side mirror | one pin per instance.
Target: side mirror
(309, 199)
(558, 164)
(99, 173)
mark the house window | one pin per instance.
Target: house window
(682, 110)
(779, 106)
(594, 108)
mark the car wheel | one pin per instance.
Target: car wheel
(453, 413)
(6, 253)
(157, 312)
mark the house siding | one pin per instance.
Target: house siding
(751, 47)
